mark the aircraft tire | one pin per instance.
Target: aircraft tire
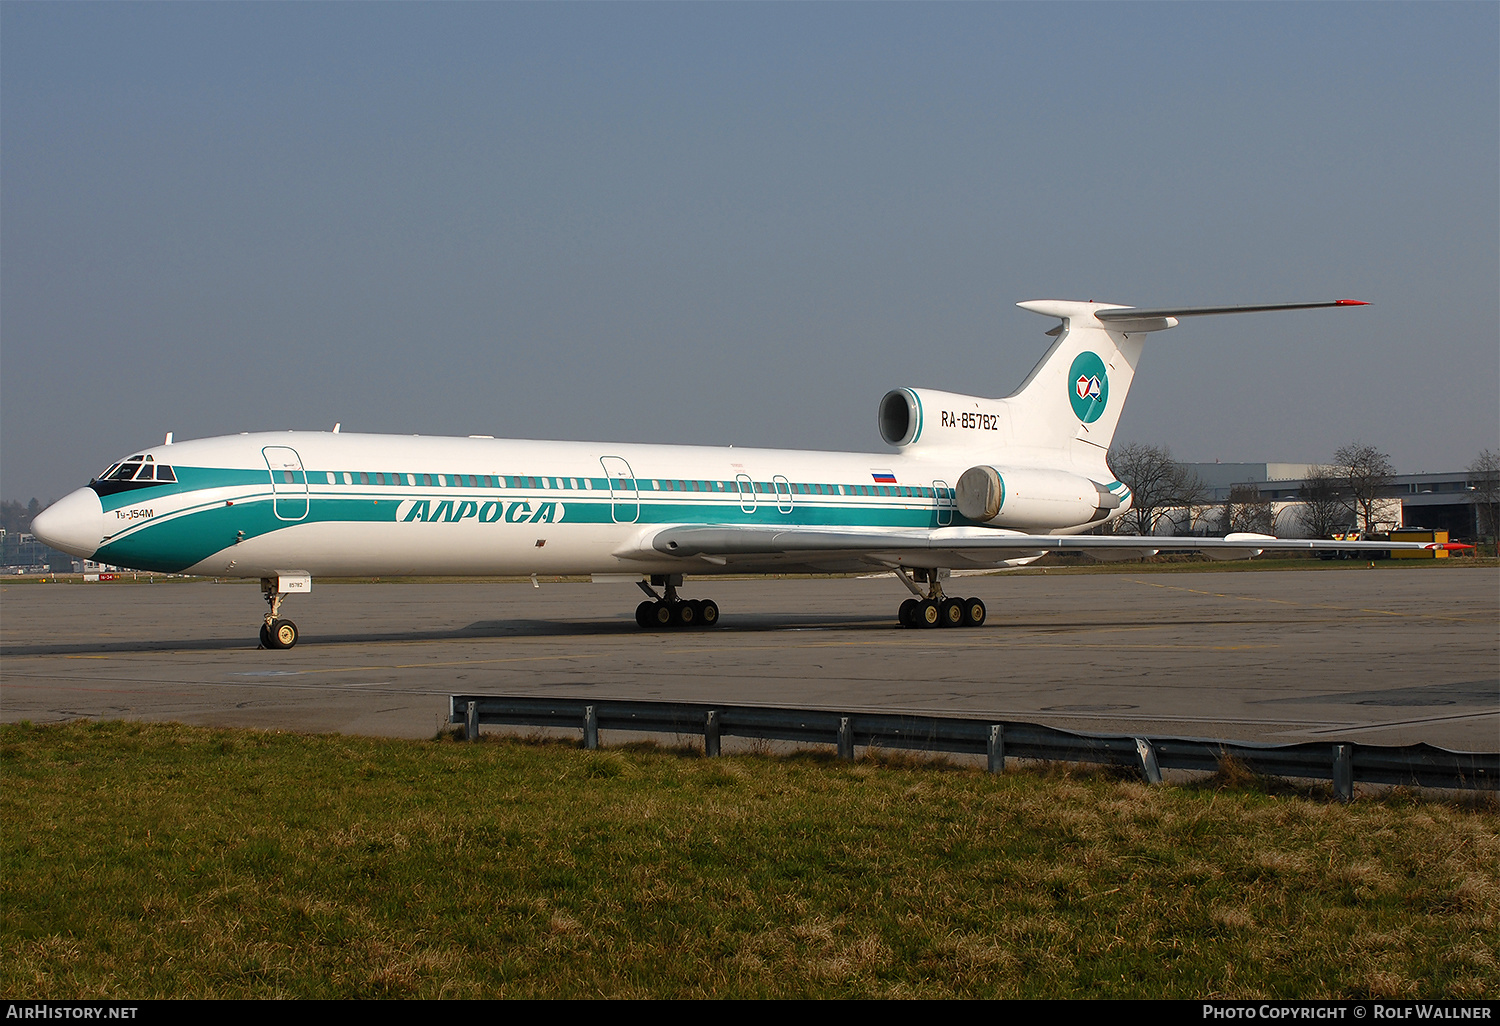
(685, 615)
(265, 635)
(951, 613)
(643, 614)
(907, 614)
(283, 634)
(661, 614)
(927, 614)
(708, 615)
(974, 613)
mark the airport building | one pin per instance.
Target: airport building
(1439, 502)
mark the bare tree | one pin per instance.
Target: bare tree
(1159, 485)
(1246, 510)
(1323, 510)
(1484, 478)
(1366, 472)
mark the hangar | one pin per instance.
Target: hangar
(1452, 501)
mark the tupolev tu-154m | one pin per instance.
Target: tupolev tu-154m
(973, 483)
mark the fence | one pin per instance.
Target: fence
(1343, 763)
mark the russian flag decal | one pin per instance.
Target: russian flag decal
(883, 476)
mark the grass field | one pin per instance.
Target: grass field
(157, 860)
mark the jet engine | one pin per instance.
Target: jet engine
(926, 417)
(1031, 499)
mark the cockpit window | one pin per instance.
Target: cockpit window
(139, 469)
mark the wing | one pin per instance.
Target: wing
(745, 547)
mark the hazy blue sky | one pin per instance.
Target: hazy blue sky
(738, 223)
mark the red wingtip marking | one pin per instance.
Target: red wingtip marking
(1350, 302)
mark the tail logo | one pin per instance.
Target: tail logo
(1090, 387)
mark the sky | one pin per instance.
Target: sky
(738, 223)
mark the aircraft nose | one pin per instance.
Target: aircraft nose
(74, 523)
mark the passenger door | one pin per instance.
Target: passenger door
(624, 493)
(288, 482)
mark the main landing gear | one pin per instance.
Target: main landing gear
(667, 611)
(933, 609)
(275, 632)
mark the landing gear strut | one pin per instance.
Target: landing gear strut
(933, 608)
(275, 632)
(668, 610)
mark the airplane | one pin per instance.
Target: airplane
(973, 484)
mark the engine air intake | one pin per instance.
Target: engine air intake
(900, 417)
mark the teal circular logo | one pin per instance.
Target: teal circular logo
(1088, 387)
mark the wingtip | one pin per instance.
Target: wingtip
(1350, 302)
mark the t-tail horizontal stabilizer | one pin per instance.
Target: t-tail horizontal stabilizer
(1142, 319)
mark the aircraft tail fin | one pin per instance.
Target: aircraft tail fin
(1072, 399)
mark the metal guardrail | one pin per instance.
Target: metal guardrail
(1343, 763)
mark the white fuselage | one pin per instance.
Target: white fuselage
(328, 504)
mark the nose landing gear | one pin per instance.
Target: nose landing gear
(276, 632)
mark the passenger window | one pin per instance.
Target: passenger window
(411, 479)
(364, 478)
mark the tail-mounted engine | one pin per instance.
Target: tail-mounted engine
(1032, 500)
(922, 416)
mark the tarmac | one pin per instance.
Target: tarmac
(1390, 655)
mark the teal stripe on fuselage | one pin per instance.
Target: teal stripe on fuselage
(189, 479)
(174, 541)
